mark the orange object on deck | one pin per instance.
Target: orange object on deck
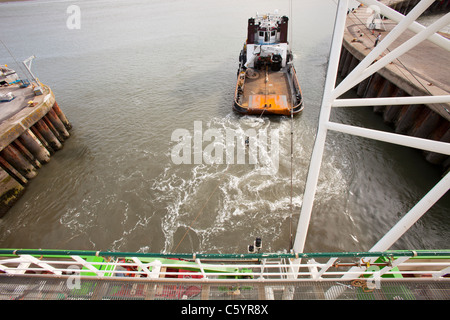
(275, 102)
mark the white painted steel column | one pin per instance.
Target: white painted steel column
(413, 215)
(349, 81)
(395, 138)
(88, 265)
(316, 157)
(41, 264)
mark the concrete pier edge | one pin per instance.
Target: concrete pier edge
(27, 141)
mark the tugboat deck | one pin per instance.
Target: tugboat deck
(271, 94)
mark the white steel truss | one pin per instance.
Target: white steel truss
(363, 70)
(434, 264)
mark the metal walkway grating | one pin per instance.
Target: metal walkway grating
(64, 288)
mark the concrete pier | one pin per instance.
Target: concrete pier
(421, 71)
(32, 128)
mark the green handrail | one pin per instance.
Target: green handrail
(234, 256)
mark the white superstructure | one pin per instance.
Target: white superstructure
(267, 39)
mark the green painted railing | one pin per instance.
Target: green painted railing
(233, 256)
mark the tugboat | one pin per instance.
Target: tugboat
(266, 80)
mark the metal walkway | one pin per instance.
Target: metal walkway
(53, 288)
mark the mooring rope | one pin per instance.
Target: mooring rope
(292, 134)
(13, 57)
(292, 187)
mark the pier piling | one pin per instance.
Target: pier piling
(57, 124)
(32, 143)
(48, 135)
(18, 161)
(28, 139)
(61, 116)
